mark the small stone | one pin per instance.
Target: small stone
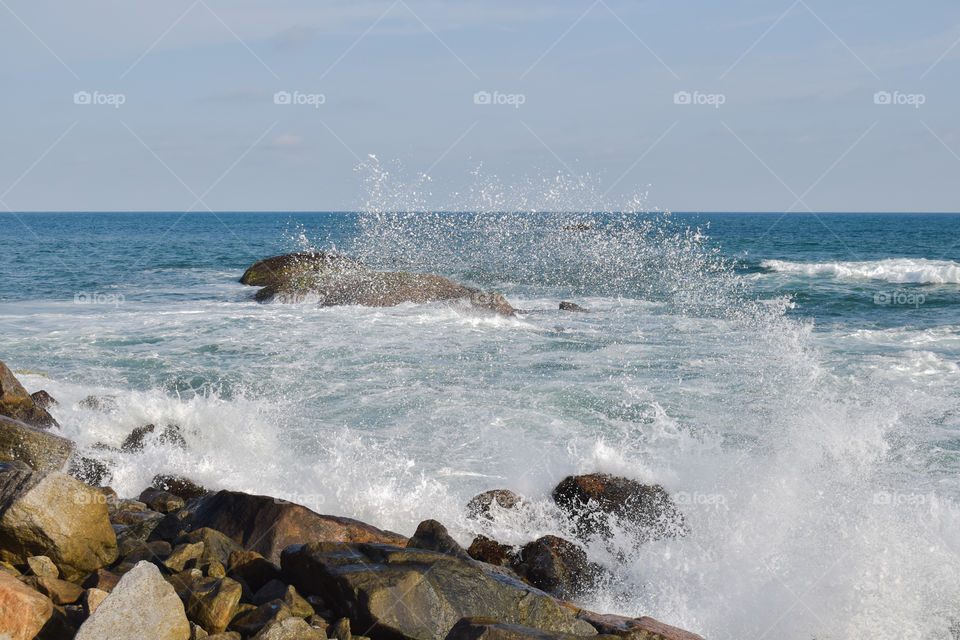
(276, 590)
(215, 570)
(59, 591)
(251, 622)
(101, 579)
(216, 546)
(572, 306)
(43, 566)
(289, 629)
(182, 582)
(340, 629)
(212, 602)
(484, 504)
(558, 567)
(490, 551)
(92, 599)
(433, 536)
(43, 399)
(197, 632)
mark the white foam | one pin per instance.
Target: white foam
(892, 270)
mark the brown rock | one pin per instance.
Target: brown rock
(40, 450)
(182, 555)
(276, 590)
(283, 267)
(251, 622)
(54, 515)
(558, 567)
(138, 438)
(212, 603)
(160, 500)
(178, 486)
(490, 551)
(267, 525)
(482, 504)
(182, 582)
(16, 403)
(101, 579)
(92, 599)
(636, 628)
(43, 399)
(216, 546)
(43, 566)
(59, 591)
(433, 536)
(23, 611)
(252, 568)
(490, 629)
(289, 629)
(593, 500)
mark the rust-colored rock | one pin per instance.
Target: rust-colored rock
(267, 525)
(23, 611)
(490, 551)
(16, 403)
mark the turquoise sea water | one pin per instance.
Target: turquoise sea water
(793, 380)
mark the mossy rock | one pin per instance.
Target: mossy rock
(290, 265)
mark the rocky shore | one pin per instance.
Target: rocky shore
(179, 562)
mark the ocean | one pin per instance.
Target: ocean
(793, 380)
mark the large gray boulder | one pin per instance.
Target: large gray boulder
(142, 605)
(414, 594)
(54, 515)
(41, 450)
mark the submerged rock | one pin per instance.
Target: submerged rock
(106, 404)
(482, 505)
(43, 399)
(337, 280)
(178, 486)
(572, 306)
(595, 501)
(168, 435)
(416, 594)
(54, 515)
(142, 605)
(40, 450)
(16, 403)
(267, 525)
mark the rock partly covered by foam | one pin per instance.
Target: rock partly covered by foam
(16, 403)
(417, 594)
(142, 605)
(267, 525)
(337, 280)
(54, 515)
(40, 450)
(596, 502)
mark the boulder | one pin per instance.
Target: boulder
(597, 500)
(635, 628)
(178, 486)
(54, 515)
(289, 629)
(336, 280)
(482, 505)
(267, 525)
(142, 605)
(413, 594)
(433, 536)
(43, 399)
(40, 450)
(23, 611)
(16, 403)
(212, 602)
(262, 273)
(484, 549)
(490, 629)
(566, 305)
(558, 567)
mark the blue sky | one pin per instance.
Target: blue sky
(601, 84)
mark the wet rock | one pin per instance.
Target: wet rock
(380, 587)
(169, 435)
(566, 305)
(494, 302)
(594, 500)
(40, 450)
(178, 486)
(160, 500)
(59, 591)
(142, 605)
(483, 549)
(252, 568)
(636, 628)
(19, 405)
(289, 629)
(105, 404)
(43, 399)
(484, 504)
(54, 515)
(558, 567)
(23, 611)
(90, 471)
(42, 566)
(433, 536)
(212, 603)
(267, 525)
(288, 265)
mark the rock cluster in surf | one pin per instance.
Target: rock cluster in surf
(338, 280)
(180, 562)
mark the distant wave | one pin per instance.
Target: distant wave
(895, 270)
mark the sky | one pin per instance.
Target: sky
(236, 105)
